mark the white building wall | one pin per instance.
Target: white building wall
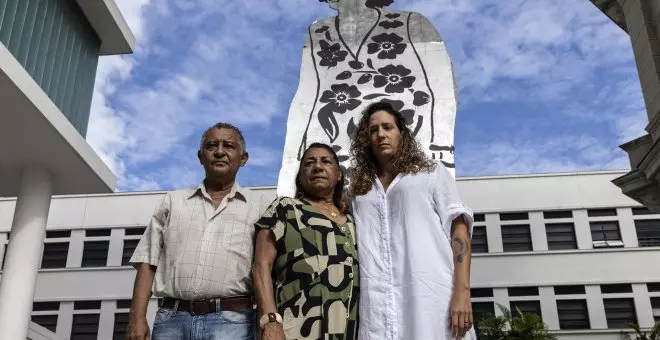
(497, 270)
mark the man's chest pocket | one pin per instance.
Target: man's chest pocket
(234, 229)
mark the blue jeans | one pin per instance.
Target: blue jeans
(223, 325)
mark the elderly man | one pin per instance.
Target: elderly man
(197, 250)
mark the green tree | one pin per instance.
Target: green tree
(522, 326)
(640, 335)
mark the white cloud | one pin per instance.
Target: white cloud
(204, 61)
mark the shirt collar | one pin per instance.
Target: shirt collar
(236, 192)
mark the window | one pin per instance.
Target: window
(616, 288)
(655, 305)
(48, 322)
(58, 233)
(121, 323)
(601, 212)
(642, 211)
(127, 253)
(479, 217)
(550, 215)
(569, 290)
(516, 238)
(124, 304)
(85, 326)
(514, 216)
(481, 292)
(95, 253)
(55, 255)
(483, 307)
(97, 232)
(479, 240)
(95, 250)
(561, 236)
(526, 307)
(573, 314)
(523, 291)
(605, 234)
(620, 312)
(653, 286)
(45, 314)
(136, 231)
(648, 233)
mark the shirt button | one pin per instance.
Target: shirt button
(349, 260)
(350, 275)
(348, 315)
(343, 228)
(347, 244)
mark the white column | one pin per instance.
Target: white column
(582, 229)
(24, 252)
(596, 307)
(549, 307)
(501, 296)
(537, 230)
(494, 233)
(643, 305)
(627, 228)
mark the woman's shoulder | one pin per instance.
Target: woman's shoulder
(286, 201)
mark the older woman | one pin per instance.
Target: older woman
(306, 274)
(414, 236)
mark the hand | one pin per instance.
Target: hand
(138, 329)
(460, 319)
(273, 331)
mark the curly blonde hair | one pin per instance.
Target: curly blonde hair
(409, 157)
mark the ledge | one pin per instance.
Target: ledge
(109, 24)
(613, 10)
(34, 132)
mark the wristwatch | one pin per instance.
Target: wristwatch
(268, 318)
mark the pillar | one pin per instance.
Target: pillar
(26, 244)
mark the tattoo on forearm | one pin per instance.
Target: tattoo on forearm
(459, 246)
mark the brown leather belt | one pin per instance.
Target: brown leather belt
(208, 306)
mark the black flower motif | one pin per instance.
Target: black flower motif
(395, 78)
(408, 115)
(331, 54)
(392, 15)
(322, 29)
(341, 97)
(390, 24)
(388, 44)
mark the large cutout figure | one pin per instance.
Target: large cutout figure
(369, 53)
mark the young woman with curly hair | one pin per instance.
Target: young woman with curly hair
(413, 235)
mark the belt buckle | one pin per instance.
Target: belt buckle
(192, 308)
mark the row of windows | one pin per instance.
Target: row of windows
(573, 313)
(95, 247)
(561, 236)
(563, 214)
(86, 318)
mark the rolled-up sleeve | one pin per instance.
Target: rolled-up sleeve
(150, 247)
(448, 204)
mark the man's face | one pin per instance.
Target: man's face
(221, 153)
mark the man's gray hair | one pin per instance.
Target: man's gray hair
(225, 126)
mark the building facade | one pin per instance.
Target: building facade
(641, 20)
(49, 50)
(569, 247)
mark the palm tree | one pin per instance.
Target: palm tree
(523, 326)
(639, 335)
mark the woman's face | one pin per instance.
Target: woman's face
(319, 172)
(384, 135)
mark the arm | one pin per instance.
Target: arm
(138, 326)
(265, 254)
(145, 259)
(461, 307)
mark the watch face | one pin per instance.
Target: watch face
(271, 317)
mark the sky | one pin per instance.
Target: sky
(544, 86)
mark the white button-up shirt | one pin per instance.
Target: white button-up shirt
(201, 252)
(406, 260)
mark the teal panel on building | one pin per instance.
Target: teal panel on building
(59, 49)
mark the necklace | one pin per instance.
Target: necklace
(329, 210)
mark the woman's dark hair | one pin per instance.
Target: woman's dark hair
(409, 157)
(373, 3)
(338, 196)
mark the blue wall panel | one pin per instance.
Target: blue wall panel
(58, 48)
